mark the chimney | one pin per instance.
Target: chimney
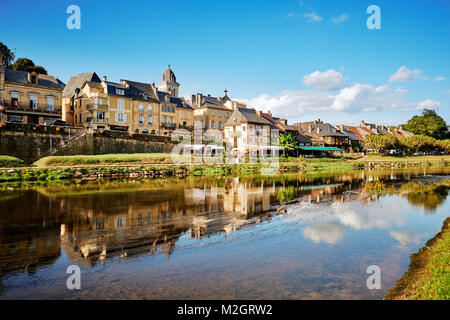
(341, 127)
(258, 112)
(317, 130)
(198, 100)
(309, 128)
(104, 78)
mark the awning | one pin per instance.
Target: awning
(321, 148)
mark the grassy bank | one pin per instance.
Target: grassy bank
(8, 162)
(428, 276)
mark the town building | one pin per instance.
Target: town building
(325, 134)
(211, 112)
(247, 131)
(28, 97)
(127, 106)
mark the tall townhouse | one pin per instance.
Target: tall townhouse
(28, 97)
(213, 112)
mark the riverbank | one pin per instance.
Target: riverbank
(428, 276)
(160, 165)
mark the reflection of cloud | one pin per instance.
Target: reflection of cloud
(405, 238)
(329, 232)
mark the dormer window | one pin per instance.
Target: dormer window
(145, 96)
(120, 92)
(34, 79)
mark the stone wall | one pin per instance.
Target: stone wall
(31, 143)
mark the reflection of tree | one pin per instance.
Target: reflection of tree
(428, 196)
(286, 194)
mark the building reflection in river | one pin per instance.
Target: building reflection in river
(123, 221)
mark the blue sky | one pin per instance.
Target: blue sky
(299, 59)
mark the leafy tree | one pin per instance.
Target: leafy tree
(7, 55)
(25, 64)
(418, 143)
(428, 124)
(382, 143)
(288, 142)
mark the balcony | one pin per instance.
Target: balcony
(27, 108)
(168, 125)
(97, 120)
(100, 107)
(182, 126)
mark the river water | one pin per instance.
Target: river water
(219, 238)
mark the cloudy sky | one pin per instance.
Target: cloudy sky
(300, 59)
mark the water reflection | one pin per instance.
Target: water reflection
(95, 223)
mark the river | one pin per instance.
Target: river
(219, 238)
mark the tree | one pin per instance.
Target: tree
(428, 124)
(288, 142)
(419, 143)
(25, 64)
(7, 55)
(382, 143)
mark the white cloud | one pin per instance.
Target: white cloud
(382, 89)
(401, 90)
(405, 238)
(327, 80)
(440, 78)
(343, 17)
(312, 17)
(329, 232)
(428, 104)
(290, 15)
(405, 75)
(352, 97)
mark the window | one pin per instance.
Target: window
(164, 120)
(220, 114)
(213, 113)
(163, 107)
(14, 99)
(120, 117)
(33, 102)
(171, 120)
(141, 118)
(50, 102)
(149, 120)
(120, 92)
(227, 115)
(100, 116)
(120, 105)
(212, 125)
(170, 108)
(141, 108)
(95, 103)
(149, 109)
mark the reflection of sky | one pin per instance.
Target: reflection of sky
(328, 223)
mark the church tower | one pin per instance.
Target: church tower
(169, 83)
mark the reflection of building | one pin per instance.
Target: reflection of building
(28, 97)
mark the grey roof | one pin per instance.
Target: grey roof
(77, 81)
(178, 101)
(43, 79)
(138, 90)
(244, 115)
(351, 135)
(325, 129)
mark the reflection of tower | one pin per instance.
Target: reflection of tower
(169, 83)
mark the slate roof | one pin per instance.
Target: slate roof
(325, 129)
(353, 133)
(77, 81)
(245, 115)
(139, 89)
(178, 101)
(43, 79)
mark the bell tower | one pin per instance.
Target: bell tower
(169, 83)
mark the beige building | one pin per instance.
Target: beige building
(248, 131)
(128, 106)
(211, 112)
(28, 97)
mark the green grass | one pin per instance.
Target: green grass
(11, 162)
(105, 159)
(428, 277)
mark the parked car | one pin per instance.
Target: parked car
(144, 130)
